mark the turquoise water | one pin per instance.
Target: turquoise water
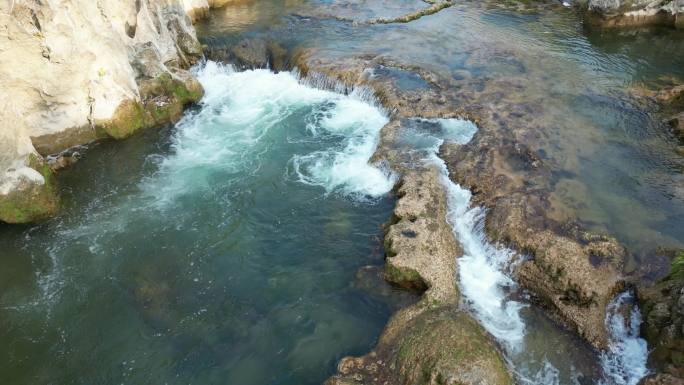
(220, 251)
(615, 165)
(225, 249)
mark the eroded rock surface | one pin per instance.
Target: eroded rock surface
(81, 70)
(639, 12)
(572, 273)
(662, 307)
(423, 345)
(420, 245)
(433, 341)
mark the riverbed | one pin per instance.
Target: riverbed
(225, 248)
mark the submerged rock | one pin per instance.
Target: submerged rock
(670, 99)
(79, 70)
(428, 345)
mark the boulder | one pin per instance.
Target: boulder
(432, 341)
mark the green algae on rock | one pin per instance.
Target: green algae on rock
(163, 99)
(31, 201)
(447, 346)
(433, 341)
(663, 310)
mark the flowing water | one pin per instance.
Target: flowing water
(615, 165)
(224, 250)
(226, 254)
(538, 352)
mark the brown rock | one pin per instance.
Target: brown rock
(420, 245)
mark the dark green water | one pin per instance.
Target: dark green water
(224, 250)
(198, 255)
(615, 165)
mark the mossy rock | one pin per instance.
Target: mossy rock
(128, 118)
(404, 277)
(677, 267)
(163, 99)
(33, 202)
(187, 91)
(446, 346)
(426, 345)
(662, 306)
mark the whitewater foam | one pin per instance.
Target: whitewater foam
(483, 282)
(625, 361)
(239, 109)
(346, 169)
(487, 288)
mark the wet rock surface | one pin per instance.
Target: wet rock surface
(571, 272)
(427, 345)
(252, 54)
(420, 246)
(661, 379)
(433, 341)
(662, 305)
(77, 76)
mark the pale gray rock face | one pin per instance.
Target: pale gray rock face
(66, 66)
(637, 8)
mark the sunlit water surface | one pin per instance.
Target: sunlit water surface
(221, 251)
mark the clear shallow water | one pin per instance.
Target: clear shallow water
(198, 255)
(616, 167)
(538, 351)
(224, 288)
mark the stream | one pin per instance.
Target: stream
(224, 249)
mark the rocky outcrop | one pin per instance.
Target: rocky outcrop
(419, 244)
(570, 272)
(433, 341)
(662, 307)
(425, 345)
(198, 9)
(638, 12)
(81, 70)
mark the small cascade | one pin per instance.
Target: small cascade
(625, 361)
(487, 288)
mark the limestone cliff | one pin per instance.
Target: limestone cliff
(73, 71)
